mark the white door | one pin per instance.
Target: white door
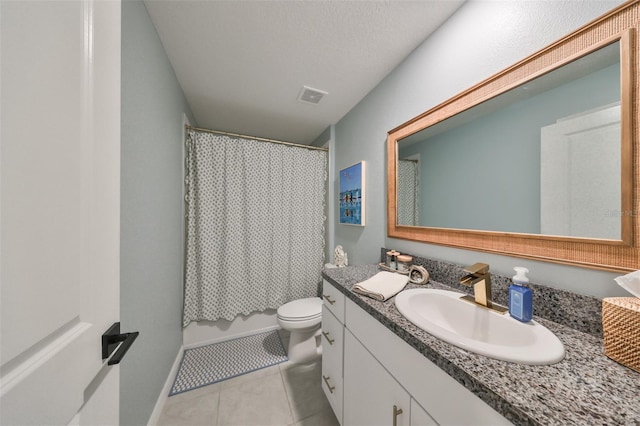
(580, 179)
(60, 190)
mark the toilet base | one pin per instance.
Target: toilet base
(303, 345)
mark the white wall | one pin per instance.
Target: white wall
(153, 106)
(480, 39)
(327, 140)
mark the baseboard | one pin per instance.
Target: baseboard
(231, 336)
(164, 393)
(207, 332)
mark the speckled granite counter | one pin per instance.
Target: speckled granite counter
(586, 388)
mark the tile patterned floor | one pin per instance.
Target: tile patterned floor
(282, 395)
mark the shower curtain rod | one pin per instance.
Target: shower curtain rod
(256, 138)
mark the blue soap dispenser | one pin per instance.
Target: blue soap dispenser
(520, 296)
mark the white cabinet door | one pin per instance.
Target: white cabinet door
(419, 416)
(372, 397)
(60, 190)
(434, 389)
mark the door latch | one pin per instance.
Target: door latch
(112, 338)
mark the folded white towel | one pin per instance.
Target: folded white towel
(382, 285)
(630, 282)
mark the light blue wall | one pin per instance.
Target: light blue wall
(151, 214)
(491, 165)
(480, 39)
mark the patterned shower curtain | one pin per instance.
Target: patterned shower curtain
(408, 192)
(255, 225)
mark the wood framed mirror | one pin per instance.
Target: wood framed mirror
(538, 161)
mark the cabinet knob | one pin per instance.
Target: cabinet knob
(396, 412)
(328, 299)
(326, 336)
(326, 381)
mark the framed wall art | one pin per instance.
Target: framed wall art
(352, 198)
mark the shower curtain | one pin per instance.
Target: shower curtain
(255, 225)
(408, 192)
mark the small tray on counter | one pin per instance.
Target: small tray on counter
(386, 268)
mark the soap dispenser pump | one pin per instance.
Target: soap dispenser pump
(520, 296)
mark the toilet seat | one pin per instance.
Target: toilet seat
(301, 309)
(312, 317)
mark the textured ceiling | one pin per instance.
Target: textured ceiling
(242, 64)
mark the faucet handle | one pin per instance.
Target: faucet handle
(477, 269)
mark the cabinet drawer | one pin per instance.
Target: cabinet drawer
(332, 351)
(333, 299)
(332, 340)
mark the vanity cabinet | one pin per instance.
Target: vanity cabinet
(333, 300)
(431, 395)
(333, 346)
(367, 370)
(372, 395)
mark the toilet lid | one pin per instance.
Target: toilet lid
(301, 309)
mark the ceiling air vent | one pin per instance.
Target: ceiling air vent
(310, 95)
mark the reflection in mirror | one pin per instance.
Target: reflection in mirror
(409, 192)
(541, 158)
(580, 185)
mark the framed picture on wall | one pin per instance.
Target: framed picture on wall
(352, 201)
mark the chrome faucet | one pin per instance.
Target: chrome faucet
(479, 277)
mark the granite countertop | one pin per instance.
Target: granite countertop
(586, 388)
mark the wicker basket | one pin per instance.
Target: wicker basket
(621, 327)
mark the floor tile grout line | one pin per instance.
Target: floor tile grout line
(284, 386)
(218, 406)
(233, 382)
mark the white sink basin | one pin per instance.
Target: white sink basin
(476, 329)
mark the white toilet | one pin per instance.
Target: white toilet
(302, 318)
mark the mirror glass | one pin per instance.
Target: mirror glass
(541, 158)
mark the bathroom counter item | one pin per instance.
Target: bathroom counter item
(382, 285)
(418, 274)
(585, 388)
(630, 282)
(404, 263)
(386, 268)
(520, 297)
(621, 322)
